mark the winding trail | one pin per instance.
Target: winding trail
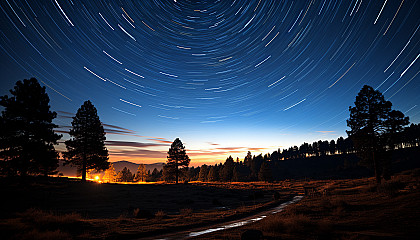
(226, 225)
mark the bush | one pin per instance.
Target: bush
(160, 214)
(186, 212)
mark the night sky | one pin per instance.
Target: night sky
(223, 76)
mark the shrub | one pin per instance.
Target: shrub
(160, 214)
(186, 212)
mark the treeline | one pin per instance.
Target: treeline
(125, 175)
(271, 167)
(409, 137)
(335, 155)
(27, 140)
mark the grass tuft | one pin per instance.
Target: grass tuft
(186, 212)
(160, 214)
(49, 220)
(44, 235)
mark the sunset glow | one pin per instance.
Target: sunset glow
(226, 77)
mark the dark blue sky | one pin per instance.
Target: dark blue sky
(223, 76)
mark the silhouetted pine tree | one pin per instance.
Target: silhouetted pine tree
(177, 157)
(369, 120)
(411, 135)
(227, 171)
(332, 147)
(394, 125)
(204, 171)
(255, 166)
(86, 149)
(154, 176)
(27, 138)
(248, 159)
(125, 175)
(340, 145)
(265, 173)
(141, 174)
(213, 175)
(110, 174)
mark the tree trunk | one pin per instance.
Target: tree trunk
(84, 169)
(377, 171)
(176, 172)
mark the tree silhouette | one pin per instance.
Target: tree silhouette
(332, 147)
(125, 175)
(154, 177)
(265, 172)
(202, 175)
(110, 174)
(412, 135)
(177, 157)
(394, 125)
(27, 138)
(370, 119)
(141, 174)
(213, 175)
(227, 171)
(248, 159)
(86, 149)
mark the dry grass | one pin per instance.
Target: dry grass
(354, 209)
(39, 224)
(39, 217)
(185, 212)
(160, 214)
(44, 235)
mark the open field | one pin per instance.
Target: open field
(350, 209)
(334, 209)
(124, 210)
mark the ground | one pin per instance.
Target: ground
(348, 209)
(332, 209)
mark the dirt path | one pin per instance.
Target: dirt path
(226, 225)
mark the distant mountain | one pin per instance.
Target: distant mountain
(133, 166)
(70, 171)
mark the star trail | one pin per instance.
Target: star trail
(256, 74)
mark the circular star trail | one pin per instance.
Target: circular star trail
(153, 65)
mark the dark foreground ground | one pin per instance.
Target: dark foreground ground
(60, 208)
(349, 209)
(336, 209)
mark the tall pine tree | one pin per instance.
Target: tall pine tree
(141, 174)
(177, 157)
(86, 149)
(27, 137)
(110, 174)
(371, 119)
